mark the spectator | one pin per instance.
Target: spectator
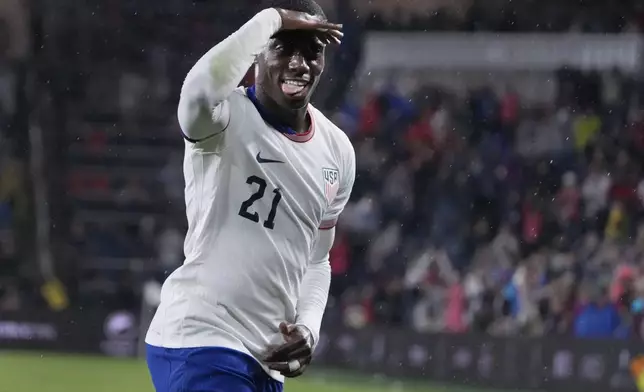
(586, 129)
(133, 191)
(506, 246)
(595, 190)
(617, 222)
(597, 318)
(568, 200)
(533, 221)
(339, 258)
(455, 309)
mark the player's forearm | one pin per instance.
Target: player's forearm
(315, 285)
(313, 297)
(218, 72)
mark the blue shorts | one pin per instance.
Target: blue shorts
(207, 369)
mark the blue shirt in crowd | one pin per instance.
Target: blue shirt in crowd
(597, 321)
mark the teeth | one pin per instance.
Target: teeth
(295, 82)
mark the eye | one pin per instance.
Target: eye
(277, 44)
(315, 49)
(317, 46)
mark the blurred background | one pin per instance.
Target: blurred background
(494, 237)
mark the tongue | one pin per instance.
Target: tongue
(291, 89)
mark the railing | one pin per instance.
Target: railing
(551, 364)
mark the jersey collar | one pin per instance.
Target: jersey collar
(275, 123)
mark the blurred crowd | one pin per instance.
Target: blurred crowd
(485, 213)
(471, 212)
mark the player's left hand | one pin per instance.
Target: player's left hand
(293, 357)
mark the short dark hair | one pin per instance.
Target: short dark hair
(308, 6)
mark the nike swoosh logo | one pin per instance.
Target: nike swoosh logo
(264, 160)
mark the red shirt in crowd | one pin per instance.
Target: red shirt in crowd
(339, 256)
(532, 224)
(569, 199)
(370, 116)
(421, 131)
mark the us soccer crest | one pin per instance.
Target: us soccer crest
(331, 183)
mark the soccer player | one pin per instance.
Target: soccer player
(267, 176)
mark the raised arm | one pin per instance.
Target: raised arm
(203, 110)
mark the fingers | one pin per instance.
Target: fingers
(285, 367)
(286, 328)
(283, 352)
(281, 367)
(337, 34)
(290, 369)
(291, 358)
(296, 373)
(302, 352)
(293, 20)
(328, 26)
(301, 357)
(331, 32)
(322, 24)
(298, 353)
(331, 37)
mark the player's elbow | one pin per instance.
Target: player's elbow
(187, 116)
(325, 268)
(198, 121)
(322, 264)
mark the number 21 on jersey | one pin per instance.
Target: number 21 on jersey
(244, 210)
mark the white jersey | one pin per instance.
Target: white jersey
(256, 199)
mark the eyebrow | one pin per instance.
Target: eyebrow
(313, 41)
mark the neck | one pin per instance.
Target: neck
(297, 119)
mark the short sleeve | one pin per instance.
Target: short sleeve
(347, 178)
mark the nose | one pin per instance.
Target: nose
(297, 63)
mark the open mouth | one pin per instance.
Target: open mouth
(295, 87)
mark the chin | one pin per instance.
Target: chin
(295, 103)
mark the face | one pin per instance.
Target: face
(289, 70)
